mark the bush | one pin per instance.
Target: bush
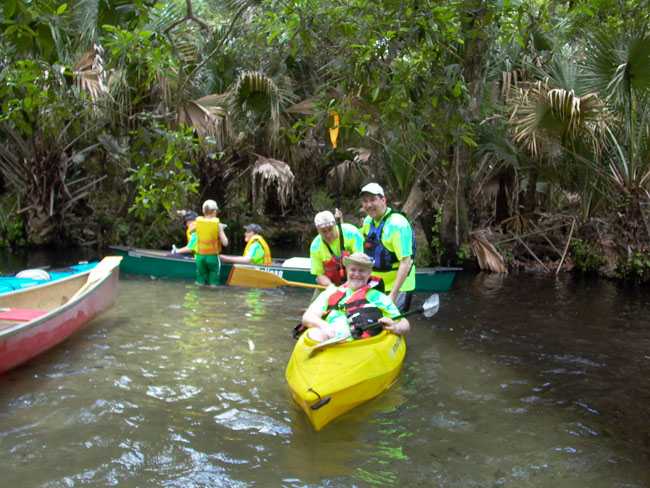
(586, 257)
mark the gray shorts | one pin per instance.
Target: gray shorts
(403, 300)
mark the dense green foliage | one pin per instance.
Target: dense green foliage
(516, 116)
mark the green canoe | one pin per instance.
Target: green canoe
(161, 263)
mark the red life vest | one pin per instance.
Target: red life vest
(334, 269)
(356, 306)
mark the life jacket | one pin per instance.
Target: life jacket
(385, 260)
(375, 282)
(356, 307)
(334, 268)
(265, 247)
(189, 234)
(207, 231)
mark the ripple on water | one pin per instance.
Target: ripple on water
(449, 421)
(497, 390)
(173, 394)
(236, 419)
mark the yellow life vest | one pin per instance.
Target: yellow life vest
(265, 247)
(189, 234)
(207, 233)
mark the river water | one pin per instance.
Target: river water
(518, 381)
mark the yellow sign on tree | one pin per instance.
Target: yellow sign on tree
(334, 130)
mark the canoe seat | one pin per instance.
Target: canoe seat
(20, 314)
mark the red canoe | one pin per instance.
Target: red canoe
(35, 319)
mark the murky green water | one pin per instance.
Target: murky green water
(516, 382)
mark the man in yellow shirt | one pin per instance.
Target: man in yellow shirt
(330, 246)
(390, 242)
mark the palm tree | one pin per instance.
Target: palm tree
(618, 68)
(589, 121)
(555, 121)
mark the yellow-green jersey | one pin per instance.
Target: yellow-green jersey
(388, 241)
(319, 251)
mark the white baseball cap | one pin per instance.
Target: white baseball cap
(373, 188)
(324, 219)
(209, 206)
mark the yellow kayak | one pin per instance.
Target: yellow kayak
(328, 381)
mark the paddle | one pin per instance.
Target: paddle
(257, 278)
(99, 272)
(429, 308)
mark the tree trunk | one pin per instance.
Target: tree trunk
(414, 202)
(454, 227)
(531, 192)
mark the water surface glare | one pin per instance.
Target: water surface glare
(518, 381)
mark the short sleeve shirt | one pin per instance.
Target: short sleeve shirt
(193, 245)
(319, 254)
(256, 253)
(396, 237)
(375, 298)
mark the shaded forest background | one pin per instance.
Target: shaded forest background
(513, 134)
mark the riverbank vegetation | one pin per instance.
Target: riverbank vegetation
(513, 134)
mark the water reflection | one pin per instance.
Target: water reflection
(517, 381)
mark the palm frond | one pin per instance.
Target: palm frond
(615, 66)
(305, 107)
(487, 255)
(257, 95)
(210, 119)
(267, 171)
(90, 76)
(86, 14)
(544, 114)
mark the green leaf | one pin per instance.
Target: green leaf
(469, 141)
(520, 41)
(9, 8)
(62, 8)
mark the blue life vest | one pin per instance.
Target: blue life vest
(385, 260)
